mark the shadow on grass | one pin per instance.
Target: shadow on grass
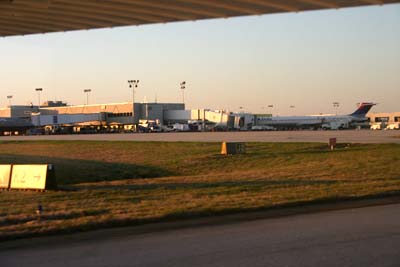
(241, 185)
(70, 171)
(309, 149)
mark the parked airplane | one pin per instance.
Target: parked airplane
(318, 121)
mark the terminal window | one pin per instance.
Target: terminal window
(113, 115)
(381, 119)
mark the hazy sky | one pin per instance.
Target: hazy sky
(307, 59)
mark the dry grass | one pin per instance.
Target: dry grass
(141, 182)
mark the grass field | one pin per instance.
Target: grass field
(107, 184)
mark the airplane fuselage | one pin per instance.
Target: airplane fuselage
(297, 121)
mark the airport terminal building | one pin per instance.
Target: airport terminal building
(380, 121)
(107, 117)
(56, 117)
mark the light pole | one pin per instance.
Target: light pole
(87, 92)
(9, 97)
(292, 107)
(271, 107)
(183, 86)
(336, 107)
(133, 84)
(39, 90)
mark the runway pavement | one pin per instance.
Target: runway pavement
(347, 136)
(354, 237)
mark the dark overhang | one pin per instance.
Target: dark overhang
(21, 17)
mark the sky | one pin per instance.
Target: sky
(307, 60)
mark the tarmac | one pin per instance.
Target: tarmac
(344, 136)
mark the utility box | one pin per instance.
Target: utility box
(233, 148)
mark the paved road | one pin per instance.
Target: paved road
(355, 237)
(365, 136)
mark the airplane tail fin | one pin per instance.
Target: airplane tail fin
(362, 110)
